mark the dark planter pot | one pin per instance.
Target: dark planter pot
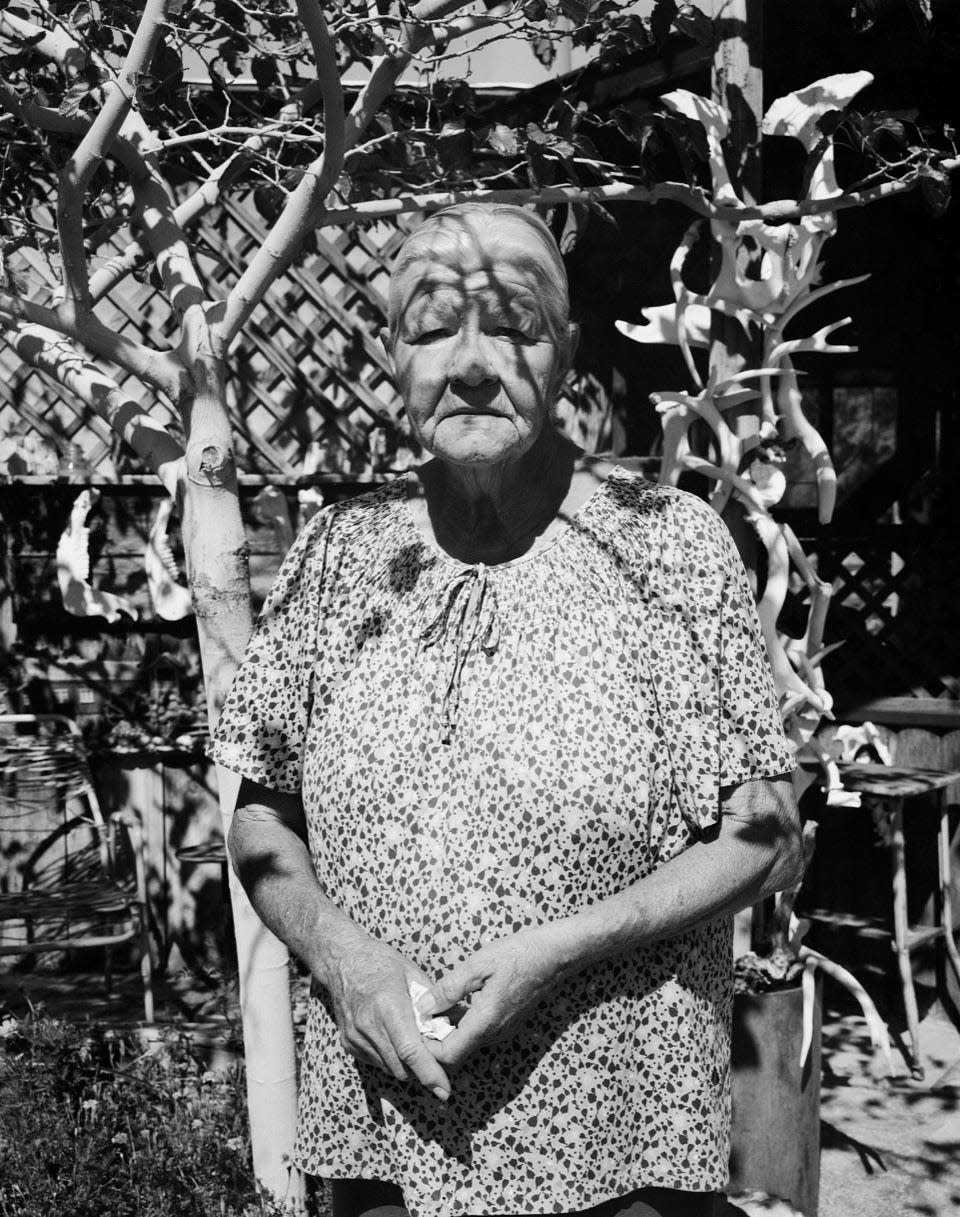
(775, 1136)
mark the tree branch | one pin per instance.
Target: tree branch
(56, 45)
(378, 209)
(160, 369)
(165, 236)
(415, 35)
(206, 195)
(780, 211)
(80, 168)
(50, 353)
(303, 207)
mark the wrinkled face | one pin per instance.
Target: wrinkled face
(477, 360)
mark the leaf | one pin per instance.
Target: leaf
(935, 189)
(695, 23)
(577, 219)
(230, 50)
(662, 19)
(453, 145)
(562, 147)
(503, 139)
(889, 125)
(454, 98)
(231, 14)
(602, 214)
(828, 123)
(545, 50)
(536, 134)
(543, 170)
(585, 146)
(72, 99)
(167, 66)
(576, 11)
(264, 69)
(269, 201)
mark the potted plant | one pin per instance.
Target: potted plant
(775, 1054)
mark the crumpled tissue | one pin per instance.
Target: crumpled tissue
(434, 1027)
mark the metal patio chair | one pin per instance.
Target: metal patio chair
(83, 879)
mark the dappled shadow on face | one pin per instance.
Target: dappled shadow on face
(479, 309)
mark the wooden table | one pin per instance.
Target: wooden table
(894, 785)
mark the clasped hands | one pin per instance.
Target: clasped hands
(369, 984)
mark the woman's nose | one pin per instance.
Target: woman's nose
(471, 363)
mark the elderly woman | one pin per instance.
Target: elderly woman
(507, 734)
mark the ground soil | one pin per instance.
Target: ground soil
(889, 1147)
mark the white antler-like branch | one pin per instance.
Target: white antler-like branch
(80, 598)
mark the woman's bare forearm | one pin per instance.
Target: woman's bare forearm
(757, 851)
(368, 981)
(270, 856)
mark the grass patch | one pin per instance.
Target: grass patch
(95, 1124)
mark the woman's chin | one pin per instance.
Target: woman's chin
(476, 457)
(493, 443)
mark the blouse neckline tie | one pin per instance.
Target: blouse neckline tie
(467, 617)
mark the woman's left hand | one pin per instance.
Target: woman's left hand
(506, 978)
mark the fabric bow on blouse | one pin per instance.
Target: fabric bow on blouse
(467, 616)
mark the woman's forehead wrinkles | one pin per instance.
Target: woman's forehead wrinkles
(489, 287)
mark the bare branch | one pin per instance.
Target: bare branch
(150, 192)
(52, 354)
(781, 211)
(303, 207)
(160, 369)
(167, 240)
(272, 130)
(387, 70)
(207, 195)
(80, 168)
(379, 209)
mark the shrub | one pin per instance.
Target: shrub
(92, 1124)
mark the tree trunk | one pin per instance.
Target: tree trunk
(216, 552)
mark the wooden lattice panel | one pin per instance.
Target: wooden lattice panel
(894, 605)
(308, 381)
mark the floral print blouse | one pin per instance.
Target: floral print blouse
(483, 749)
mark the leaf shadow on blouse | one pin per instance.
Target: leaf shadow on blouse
(486, 1085)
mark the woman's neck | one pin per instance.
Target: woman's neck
(492, 513)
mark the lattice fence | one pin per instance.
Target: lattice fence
(309, 383)
(895, 607)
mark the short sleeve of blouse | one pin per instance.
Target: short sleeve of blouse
(710, 668)
(752, 743)
(262, 726)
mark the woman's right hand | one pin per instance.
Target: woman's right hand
(369, 984)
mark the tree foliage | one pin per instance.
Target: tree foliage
(230, 94)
